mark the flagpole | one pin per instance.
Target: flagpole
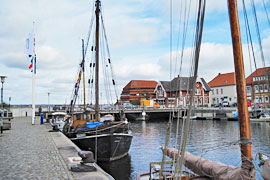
(33, 80)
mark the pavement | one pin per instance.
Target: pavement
(32, 152)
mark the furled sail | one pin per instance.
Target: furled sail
(214, 170)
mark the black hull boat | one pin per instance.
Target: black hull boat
(108, 139)
(110, 147)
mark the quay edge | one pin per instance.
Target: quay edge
(69, 150)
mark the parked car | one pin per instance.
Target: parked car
(234, 104)
(217, 104)
(225, 104)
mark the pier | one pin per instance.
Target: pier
(32, 152)
(163, 113)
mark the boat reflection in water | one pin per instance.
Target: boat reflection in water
(120, 169)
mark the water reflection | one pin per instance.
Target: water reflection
(120, 170)
(210, 139)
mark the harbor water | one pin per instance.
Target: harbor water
(214, 140)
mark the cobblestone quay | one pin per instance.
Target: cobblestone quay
(28, 152)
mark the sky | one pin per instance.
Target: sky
(138, 34)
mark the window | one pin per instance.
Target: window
(216, 91)
(195, 100)
(200, 100)
(266, 99)
(181, 97)
(205, 100)
(265, 88)
(212, 92)
(160, 93)
(221, 91)
(187, 100)
(261, 88)
(256, 88)
(248, 89)
(230, 99)
(198, 92)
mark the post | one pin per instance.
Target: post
(48, 102)
(33, 94)
(33, 81)
(2, 108)
(240, 82)
(83, 61)
(9, 99)
(2, 102)
(97, 62)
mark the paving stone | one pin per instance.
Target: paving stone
(28, 152)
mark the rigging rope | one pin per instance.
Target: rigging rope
(109, 58)
(168, 132)
(90, 28)
(197, 42)
(258, 31)
(266, 12)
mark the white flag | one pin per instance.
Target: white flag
(29, 45)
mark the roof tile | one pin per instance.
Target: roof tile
(223, 80)
(258, 72)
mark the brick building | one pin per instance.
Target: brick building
(138, 89)
(258, 87)
(175, 93)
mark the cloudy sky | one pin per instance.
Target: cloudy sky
(138, 33)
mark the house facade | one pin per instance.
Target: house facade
(175, 93)
(138, 89)
(223, 88)
(258, 86)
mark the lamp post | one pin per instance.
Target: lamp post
(9, 99)
(2, 104)
(48, 102)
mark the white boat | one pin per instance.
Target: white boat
(265, 117)
(58, 120)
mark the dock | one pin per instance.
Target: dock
(32, 152)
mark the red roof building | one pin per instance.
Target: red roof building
(138, 89)
(223, 88)
(176, 93)
(226, 79)
(258, 88)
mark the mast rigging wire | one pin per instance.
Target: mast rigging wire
(258, 31)
(197, 42)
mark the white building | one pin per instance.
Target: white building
(223, 85)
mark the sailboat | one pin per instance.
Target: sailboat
(202, 168)
(108, 139)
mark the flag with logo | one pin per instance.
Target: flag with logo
(30, 50)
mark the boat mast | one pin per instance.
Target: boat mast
(83, 61)
(97, 62)
(246, 153)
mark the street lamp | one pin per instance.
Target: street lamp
(2, 107)
(48, 102)
(9, 99)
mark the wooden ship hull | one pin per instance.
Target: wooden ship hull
(109, 147)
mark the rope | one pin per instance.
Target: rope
(90, 28)
(258, 31)
(168, 132)
(266, 12)
(109, 57)
(197, 42)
